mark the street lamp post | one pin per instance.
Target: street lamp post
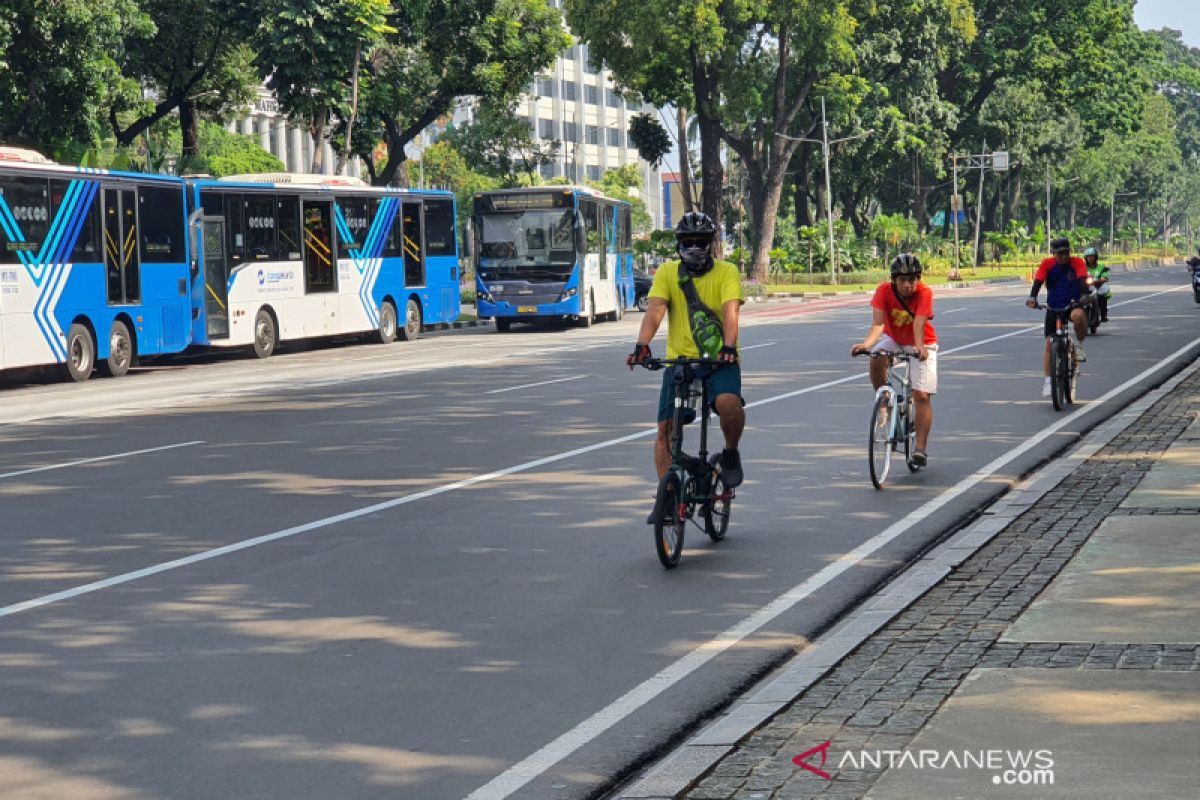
(1112, 206)
(825, 144)
(998, 161)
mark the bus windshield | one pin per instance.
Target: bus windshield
(530, 244)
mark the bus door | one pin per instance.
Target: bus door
(320, 269)
(414, 244)
(216, 278)
(121, 247)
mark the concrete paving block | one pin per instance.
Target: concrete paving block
(675, 773)
(1136, 580)
(1107, 734)
(731, 728)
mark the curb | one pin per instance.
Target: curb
(472, 323)
(690, 761)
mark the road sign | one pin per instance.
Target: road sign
(1000, 161)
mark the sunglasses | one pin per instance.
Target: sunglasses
(698, 241)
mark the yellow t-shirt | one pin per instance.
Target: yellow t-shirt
(715, 288)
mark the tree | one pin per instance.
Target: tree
(220, 152)
(308, 50)
(624, 183)
(651, 139)
(677, 52)
(57, 71)
(443, 50)
(501, 145)
(194, 61)
(445, 168)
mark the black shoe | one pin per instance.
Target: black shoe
(920, 458)
(731, 468)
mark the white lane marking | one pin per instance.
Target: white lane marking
(98, 458)
(753, 346)
(515, 777)
(539, 383)
(952, 311)
(127, 577)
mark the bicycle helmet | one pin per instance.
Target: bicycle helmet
(1060, 245)
(694, 236)
(906, 264)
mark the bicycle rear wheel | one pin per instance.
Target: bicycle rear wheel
(670, 518)
(1067, 377)
(1057, 358)
(910, 436)
(879, 444)
(717, 509)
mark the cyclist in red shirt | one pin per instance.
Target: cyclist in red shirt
(1065, 278)
(901, 311)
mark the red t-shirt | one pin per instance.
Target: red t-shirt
(898, 323)
(1043, 270)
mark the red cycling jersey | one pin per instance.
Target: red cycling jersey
(898, 321)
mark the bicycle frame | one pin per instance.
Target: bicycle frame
(685, 392)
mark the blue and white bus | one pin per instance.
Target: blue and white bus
(286, 256)
(93, 266)
(552, 251)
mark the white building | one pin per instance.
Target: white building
(288, 142)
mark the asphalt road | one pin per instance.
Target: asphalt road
(422, 570)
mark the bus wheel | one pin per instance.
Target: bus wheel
(503, 325)
(81, 353)
(387, 323)
(265, 335)
(412, 321)
(120, 350)
(620, 312)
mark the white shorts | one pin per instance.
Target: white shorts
(922, 373)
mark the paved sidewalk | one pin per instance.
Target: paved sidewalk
(1060, 659)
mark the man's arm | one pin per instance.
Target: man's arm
(919, 337)
(656, 309)
(873, 334)
(731, 312)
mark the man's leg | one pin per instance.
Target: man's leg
(879, 367)
(924, 408)
(1046, 358)
(1104, 308)
(733, 419)
(1079, 319)
(662, 449)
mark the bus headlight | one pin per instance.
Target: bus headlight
(486, 296)
(568, 294)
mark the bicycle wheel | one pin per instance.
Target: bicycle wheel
(670, 505)
(717, 509)
(879, 445)
(910, 436)
(1057, 357)
(1067, 377)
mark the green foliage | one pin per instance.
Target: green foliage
(624, 183)
(58, 74)
(501, 145)
(651, 139)
(224, 153)
(446, 168)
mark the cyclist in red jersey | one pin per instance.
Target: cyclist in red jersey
(901, 311)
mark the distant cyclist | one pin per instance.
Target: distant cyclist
(698, 288)
(1065, 279)
(901, 311)
(1100, 279)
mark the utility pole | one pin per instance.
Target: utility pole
(828, 195)
(979, 209)
(998, 161)
(955, 208)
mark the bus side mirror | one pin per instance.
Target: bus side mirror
(581, 244)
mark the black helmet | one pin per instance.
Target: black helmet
(906, 264)
(1060, 245)
(694, 223)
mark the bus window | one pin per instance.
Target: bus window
(160, 211)
(357, 214)
(259, 219)
(439, 228)
(235, 229)
(288, 228)
(626, 229)
(393, 245)
(28, 201)
(414, 259)
(87, 244)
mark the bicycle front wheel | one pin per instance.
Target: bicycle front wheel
(670, 517)
(1067, 377)
(879, 445)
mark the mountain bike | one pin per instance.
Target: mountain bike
(893, 419)
(693, 483)
(1064, 369)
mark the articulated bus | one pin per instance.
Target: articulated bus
(294, 256)
(93, 266)
(552, 251)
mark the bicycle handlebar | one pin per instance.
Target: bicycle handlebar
(655, 364)
(885, 354)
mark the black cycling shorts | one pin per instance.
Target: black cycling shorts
(1052, 317)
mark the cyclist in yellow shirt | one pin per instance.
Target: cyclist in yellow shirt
(718, 286)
